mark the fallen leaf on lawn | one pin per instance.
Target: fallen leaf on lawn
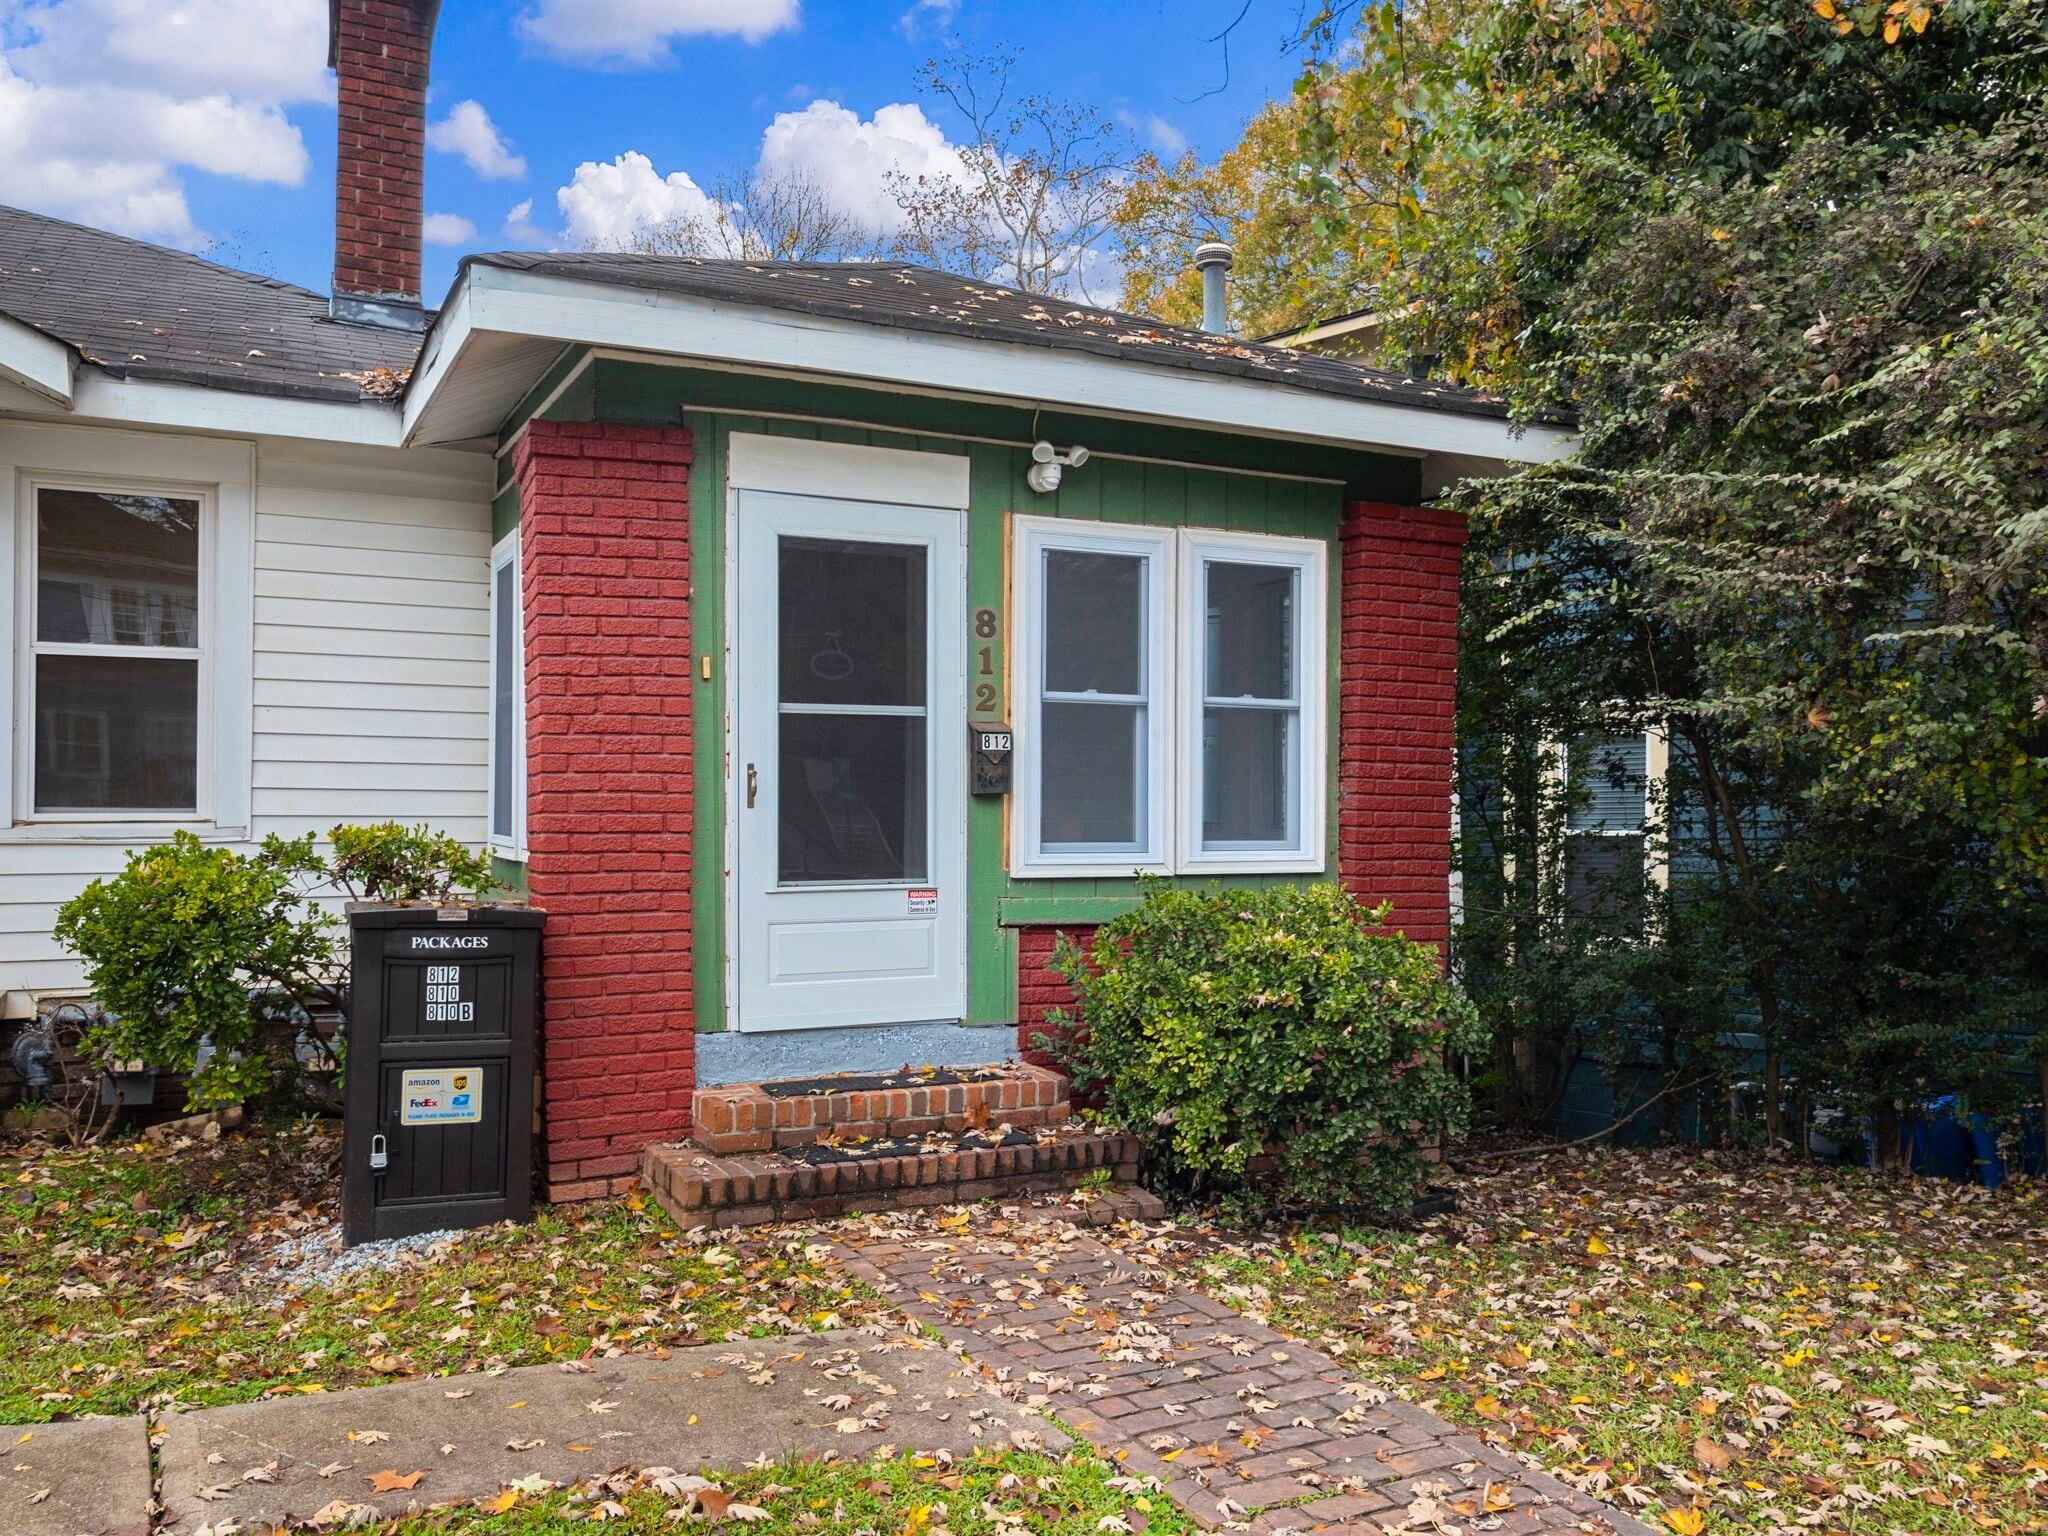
(391, 1481)
(1594, 1245)
(712, 1503)
(499, 1502)
(1713, 1457)
(1687, 1522)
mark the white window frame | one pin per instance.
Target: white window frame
(1305, 557)
(1032, 538)
(220, 475)
(513, 846)
(1175, 671)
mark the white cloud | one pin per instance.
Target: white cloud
(519, 227)
(606, 205)
(446, 229)
(1166, 139)
(468, 131)
(853, 160)
(927, 17)
(103, 102)
(638, 32)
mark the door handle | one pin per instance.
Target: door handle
(753, 785)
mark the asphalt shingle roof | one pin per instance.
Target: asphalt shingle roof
(913, 298)
(142, 311)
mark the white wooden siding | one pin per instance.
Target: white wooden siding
(370, 675)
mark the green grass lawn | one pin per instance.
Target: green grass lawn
(994, 1493)
(134, 1277)
(1717, 1345)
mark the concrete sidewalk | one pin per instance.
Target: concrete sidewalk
(89, 1477)
(715, 1406)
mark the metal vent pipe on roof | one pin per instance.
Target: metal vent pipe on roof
(1212, 260)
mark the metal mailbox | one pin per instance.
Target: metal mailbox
(438, 1126)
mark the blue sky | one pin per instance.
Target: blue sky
(209, 123)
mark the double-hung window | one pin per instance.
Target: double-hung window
(1170, 689)
(1607, 820)
(116, 647)
(508, 703)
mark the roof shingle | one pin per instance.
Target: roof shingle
(143, 311)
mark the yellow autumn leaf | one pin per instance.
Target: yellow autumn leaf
(499, 1503)
(1487, 1407)
(1919, 18)
(1825, 9)
(1687, 1522)
(1594, 1245)
(1891, 29)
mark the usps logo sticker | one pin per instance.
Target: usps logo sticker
(451, 1097)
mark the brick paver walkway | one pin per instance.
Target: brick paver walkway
(1242, 1426)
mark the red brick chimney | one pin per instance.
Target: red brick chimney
(378, 50)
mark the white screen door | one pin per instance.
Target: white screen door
(849, 763)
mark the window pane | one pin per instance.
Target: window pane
(116, 570)
(852, 798)
(1250, 631)
(1609, 780)
(504, 701)
(1248, 768)
(1094, 622)
(1091, 770)
(852, 622)
(116, 733)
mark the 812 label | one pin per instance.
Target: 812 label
(445, 1003)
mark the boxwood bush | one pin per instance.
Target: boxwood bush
(1275, 1045)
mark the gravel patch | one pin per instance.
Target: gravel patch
(317, 1258)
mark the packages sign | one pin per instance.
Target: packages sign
(452, 1096)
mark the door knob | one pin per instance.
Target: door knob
(753, 785)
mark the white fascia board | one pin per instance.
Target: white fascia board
(195, 408)
(492, 299)
(35, 361)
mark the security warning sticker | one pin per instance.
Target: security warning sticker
(923, 902)
(454, 1096)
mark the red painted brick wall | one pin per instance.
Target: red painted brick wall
(1397, 682)
(610, 798)
(380, 62)
(1039, 987)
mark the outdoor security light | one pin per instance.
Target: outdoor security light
(1047, 462)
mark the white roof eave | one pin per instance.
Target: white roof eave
(492, 306)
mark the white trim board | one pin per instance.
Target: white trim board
(797, 466)
(35, 361)
(492, 301)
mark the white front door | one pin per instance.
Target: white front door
(848, 775)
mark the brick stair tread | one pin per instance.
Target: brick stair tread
(700, 1188)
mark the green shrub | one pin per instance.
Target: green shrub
(388, 862)
(177, 943)
(174, 944)
(1223, 1027)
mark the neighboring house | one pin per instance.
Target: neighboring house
(679, 583)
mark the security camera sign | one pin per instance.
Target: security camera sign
(450, 1097)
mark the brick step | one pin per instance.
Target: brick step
(701, 1189)
(798, 1112)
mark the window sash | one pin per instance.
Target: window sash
(1035, 539)
(1304, 769)
(505, 819)
(197, 656)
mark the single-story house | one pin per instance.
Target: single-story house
(680, 584)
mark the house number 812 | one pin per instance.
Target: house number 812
(987, 696)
